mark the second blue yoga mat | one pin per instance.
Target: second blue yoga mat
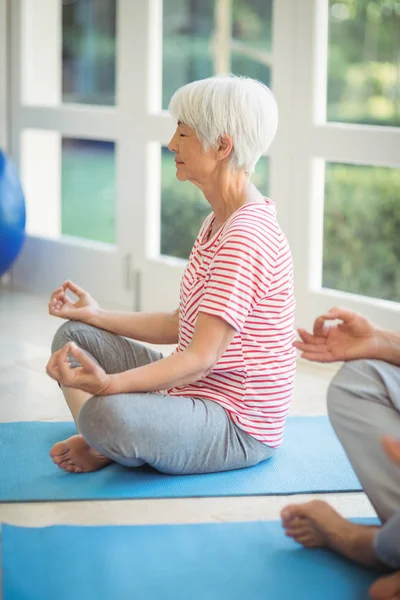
(223, 561)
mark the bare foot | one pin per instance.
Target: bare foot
(386, 588)
(76, 456)
(316, 524)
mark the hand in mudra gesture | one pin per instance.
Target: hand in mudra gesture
(355, 337)
(88, 377)
(62, 306)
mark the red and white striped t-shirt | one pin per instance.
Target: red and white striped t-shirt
(244, 275)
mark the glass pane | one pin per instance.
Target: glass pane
(252, 23)
(184, 208)
(244, 65)
(88, 190)
(363, 62)
(187, 54)
(361, 230)
(188, 33)
(88, 51)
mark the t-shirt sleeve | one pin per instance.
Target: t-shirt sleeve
(239, 277)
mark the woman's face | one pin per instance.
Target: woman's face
(193, 163)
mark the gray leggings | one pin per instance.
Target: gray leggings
(364, 405)
(173, 434)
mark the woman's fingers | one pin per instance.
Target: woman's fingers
(58, 299)
(54, 298)
(58, 303)
(75, 289)
(52, 367)
(87, 363)
(57, 291)
(64, 366)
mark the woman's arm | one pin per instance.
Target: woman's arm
(211, 337)
(154, 328)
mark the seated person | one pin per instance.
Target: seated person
(364, 408)
(220, 401)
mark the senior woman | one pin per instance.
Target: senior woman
(220, 401)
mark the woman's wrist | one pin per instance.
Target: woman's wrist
(113, 386)
(95, 318)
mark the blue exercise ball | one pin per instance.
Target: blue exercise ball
(12, 214)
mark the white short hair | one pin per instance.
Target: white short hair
(241, 107)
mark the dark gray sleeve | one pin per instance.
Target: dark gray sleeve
(387, 542)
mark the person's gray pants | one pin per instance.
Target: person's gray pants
(364, 405)
(173, 434)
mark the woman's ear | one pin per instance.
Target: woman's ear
(225, 146)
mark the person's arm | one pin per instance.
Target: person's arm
(389, 346)
(211, 338)
(154, 328)
(353, 338)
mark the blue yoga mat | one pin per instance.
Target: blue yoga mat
(310, 460)
(223, 561)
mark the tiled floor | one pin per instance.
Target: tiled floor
(26, 393)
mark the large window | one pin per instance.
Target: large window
(91, 82)
(361, 222)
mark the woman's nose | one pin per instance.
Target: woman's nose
(172, 143)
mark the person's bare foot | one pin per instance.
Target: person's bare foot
(76, 456)
(386, 588)
(316, 524)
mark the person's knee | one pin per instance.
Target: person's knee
(96, 418)
(348, 387)
(101, 422)
(64, 334)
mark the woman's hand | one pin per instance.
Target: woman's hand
(356, 337)
(89, 377)
(82, 309)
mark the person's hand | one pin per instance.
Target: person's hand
(89, 377)
(355, 337)
(82, 309)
